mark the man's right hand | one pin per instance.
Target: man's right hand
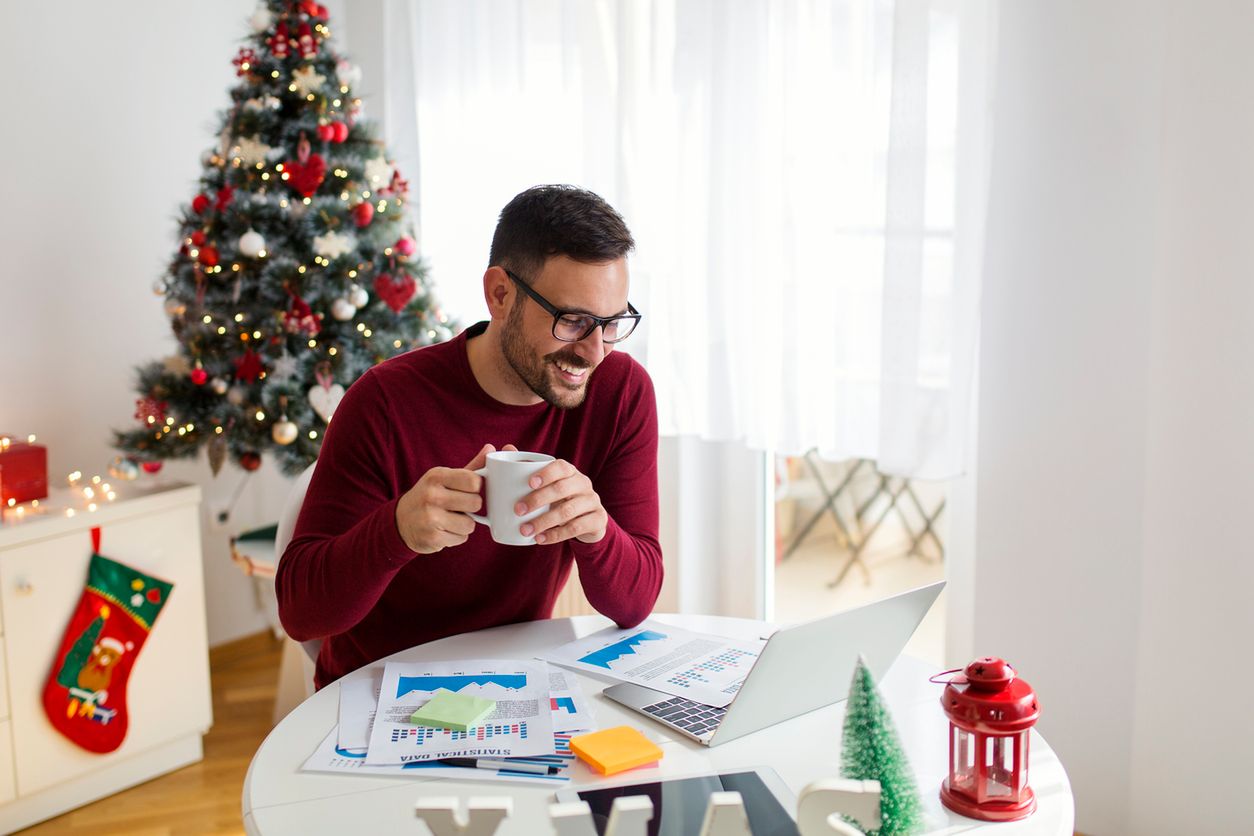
(431, 516)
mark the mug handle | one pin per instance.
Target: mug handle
(480, 518)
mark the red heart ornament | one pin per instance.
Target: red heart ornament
(395, 292)
(154, 595)
(305, 178)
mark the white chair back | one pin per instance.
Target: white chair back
(283, 536)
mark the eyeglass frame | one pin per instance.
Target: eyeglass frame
(558, 313)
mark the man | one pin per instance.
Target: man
(384, 555)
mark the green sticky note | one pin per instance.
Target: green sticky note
(449, 710)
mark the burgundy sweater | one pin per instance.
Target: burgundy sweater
(347, 575)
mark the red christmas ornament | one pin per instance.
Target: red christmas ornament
(244, 61)
(307, 172)
(150, 467)
(250, 461)
(279, 47)
(405, 246)
(313, 9)
(341, 131)
(208, 256)
(248, 366)
(200, 203)
(150, 410)
(991, 712)
(199, 376)
(305, 41)
(223, 198)
(395, 292)
(326, 133)
(363, 214)
(300, 319)
(197, 238)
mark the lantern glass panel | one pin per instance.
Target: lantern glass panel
(999, 755)
(963, 768)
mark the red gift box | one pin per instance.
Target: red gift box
(23, 470)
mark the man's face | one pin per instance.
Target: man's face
(554, 370)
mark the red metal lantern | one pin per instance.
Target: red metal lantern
(990, 713)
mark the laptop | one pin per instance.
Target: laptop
(801, 668)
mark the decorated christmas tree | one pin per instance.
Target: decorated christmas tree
(295, 271)
(871, 751)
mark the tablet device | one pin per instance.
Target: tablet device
(679, 803)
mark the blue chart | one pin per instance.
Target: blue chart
(731, 659)
(566, 704)
(626, 647)
(513, 681)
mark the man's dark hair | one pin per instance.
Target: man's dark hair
(545, 221)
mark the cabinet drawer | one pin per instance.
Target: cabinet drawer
(168, 692)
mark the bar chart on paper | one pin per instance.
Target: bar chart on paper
(708, 669)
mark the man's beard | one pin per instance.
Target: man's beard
(534, 371)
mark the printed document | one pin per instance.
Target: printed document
(521, 725)
(708, 669)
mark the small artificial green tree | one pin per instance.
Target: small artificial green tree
(295, 270)
(871, 751)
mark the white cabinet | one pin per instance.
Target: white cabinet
(43, 569)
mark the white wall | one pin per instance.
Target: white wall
(1192, 737)
(110, 106)
(1117, 402)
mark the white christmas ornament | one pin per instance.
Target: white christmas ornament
(307, 80)
(348, 73)
(343, 310)
(333, 245)
(251, 243)
(174, 307)
(284, 431)
(261, 19)
(358, 296)
(251, 151)
(324, 399)
(283, 368)
(218, 385)
(378, 172)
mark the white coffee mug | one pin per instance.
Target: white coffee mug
(506, 476)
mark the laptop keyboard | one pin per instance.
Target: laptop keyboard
(693, 717)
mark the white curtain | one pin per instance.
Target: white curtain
(805, 180)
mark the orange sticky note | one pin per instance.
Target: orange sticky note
(613, 750)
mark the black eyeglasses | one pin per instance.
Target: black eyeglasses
(572, 326)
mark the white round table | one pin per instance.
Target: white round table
(279, 799)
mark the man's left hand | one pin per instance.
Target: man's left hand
(575, 510)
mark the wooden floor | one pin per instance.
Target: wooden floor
(203, 797)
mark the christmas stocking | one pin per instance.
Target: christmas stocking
(85, 697)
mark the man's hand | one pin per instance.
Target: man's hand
(431, 516)
(575, 510)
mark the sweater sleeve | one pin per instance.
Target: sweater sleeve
(622, 574)
(346, 547)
